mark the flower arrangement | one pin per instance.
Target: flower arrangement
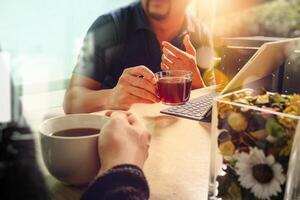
(255, 132)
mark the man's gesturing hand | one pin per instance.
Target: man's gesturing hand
(176, 59)
(136, 85)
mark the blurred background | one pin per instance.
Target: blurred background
(40, 41)
(43, 38)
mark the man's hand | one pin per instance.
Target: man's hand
(136, 85)
(123, 140)
(176, 59)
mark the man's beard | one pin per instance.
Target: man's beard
(157, 16)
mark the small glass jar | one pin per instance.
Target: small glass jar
(253, 133)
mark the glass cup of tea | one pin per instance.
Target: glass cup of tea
(174, 86)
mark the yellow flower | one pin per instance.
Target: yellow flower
(295, 101)
(260, 134)
(292, 110)
(227, 148)
(237, 121)
(234, 192)
(224, 108)
(262, 99)
(239, 95)
(286, 121)
(287, 149)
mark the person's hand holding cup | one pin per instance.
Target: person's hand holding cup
(136, 85)
(73, 149)
(123, 140)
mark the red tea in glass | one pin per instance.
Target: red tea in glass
(174, 87)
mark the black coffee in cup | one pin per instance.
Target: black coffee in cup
(76, 132)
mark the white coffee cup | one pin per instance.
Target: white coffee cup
(72, 160)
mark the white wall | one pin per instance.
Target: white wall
(43, 36)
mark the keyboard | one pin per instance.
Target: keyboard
(195, 109)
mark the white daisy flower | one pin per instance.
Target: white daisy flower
(261, 174)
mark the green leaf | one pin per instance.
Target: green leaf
(275, 129)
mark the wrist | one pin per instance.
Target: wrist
(108, 101)
(105, 166)
(197, 79)
(104, 169)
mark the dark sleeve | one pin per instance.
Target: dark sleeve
(92, 58)
(126, 182)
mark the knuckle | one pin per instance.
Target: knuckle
(113, 122)
(191, 59)
(121, 79)
(119, 118)
(140, 67)
(143, 67)
(142, 83)
(115, 119)
(126, 70)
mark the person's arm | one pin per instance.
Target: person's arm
(136, 85)
(123, 149)
(82, 95)
(126, 182)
